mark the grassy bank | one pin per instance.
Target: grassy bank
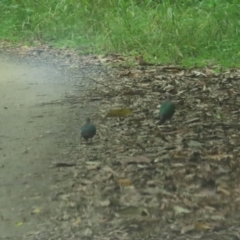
(181, 32)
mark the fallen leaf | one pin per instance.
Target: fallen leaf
(129, 211)
(188, 203)
(218, 218)
(36, 210)
(187, 228)
(195, 226)
(71, 204)
(76, 221)
(222, 190)
(123, 112)
(218, 116)
(192, 143)
(124, 182)
(18, 224)
(201, 226)
(105, 203)
(92, 163)
(145, 212)
(125, 74)
(178, 210)
(219, 157)
(93, 167)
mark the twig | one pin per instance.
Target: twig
(65, 164)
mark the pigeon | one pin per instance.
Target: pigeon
(88, 130)
(166, 112)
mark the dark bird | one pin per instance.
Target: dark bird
(88, 130)
(166, 112)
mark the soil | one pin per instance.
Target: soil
(33, 123)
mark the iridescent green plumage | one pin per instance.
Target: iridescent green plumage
(167, 110)
(88, 130)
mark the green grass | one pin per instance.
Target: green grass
(185, 32)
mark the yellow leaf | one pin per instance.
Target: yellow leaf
(201, 226)
(36, 210)
(124, 182)
(123, 112)
(76, 221)
(195, 226)
(18, 224)
(219, 157)
(222, 190)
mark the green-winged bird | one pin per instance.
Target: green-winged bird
(88, 130)
(166, 112)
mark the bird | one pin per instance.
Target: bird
(88, 130)
(167, 109)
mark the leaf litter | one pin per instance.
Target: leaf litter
(141, 180)
(185, 173)
(178, 180)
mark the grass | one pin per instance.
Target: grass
(187, 32)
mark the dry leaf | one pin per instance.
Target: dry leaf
(195, 226)
(105, 203)
(218, 217)
(76, 221)
(124, 182)
(192, 143)
(126, 74)
(93, 167)
(188, 203)
(178, 210)
(36, 210)
(187, 228)
(18, 224)
(222, 190)
(220, 156)
(123, 112)
(201, 226)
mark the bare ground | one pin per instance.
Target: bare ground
(36, 127)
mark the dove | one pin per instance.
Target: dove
(166, 112)
(88, 130)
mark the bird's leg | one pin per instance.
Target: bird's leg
(90, 140)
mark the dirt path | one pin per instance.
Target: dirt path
(29, 139)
